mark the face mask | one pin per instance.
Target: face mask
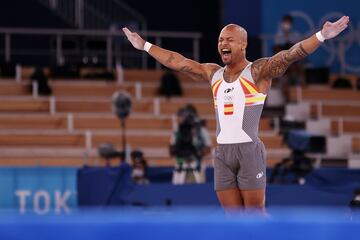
(286, 26)
(138, 173)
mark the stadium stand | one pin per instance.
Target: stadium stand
(66, 128)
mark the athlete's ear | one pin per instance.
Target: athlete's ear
(243, 46)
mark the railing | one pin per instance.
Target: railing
(95, 14)
(111, 46)
(113, 11)
(65, 9)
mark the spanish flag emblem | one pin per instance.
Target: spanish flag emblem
(228, 109)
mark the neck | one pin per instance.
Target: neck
(233, 71)
(239, 66)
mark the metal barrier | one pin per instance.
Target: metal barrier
(89, 47)
(94, 14)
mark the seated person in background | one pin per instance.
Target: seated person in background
(139, 167)
(285, 38)
(342, 83)
(189, 144)
(170, 85)
(42, 82)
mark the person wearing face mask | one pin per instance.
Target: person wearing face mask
(239, 91)
(285, 36)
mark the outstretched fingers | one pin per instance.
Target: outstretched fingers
(126, 31)
(134, 38)
(343, 26)
(342, 21)
(334, 28)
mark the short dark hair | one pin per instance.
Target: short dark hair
(288, 18)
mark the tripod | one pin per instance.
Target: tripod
(122, 167)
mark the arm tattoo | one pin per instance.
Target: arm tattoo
(170, 59)
(189, 71)
(277, 65)
(302, 51)
(256, 68)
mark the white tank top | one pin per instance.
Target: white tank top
(238, 107)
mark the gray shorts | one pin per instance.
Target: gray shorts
(240, 165)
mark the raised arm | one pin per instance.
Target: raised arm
(275, 66)
(173, 60)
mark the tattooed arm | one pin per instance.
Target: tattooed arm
(178, 62)
(174, 60)
(275, 66)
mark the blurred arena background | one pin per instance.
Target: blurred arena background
(65, 147)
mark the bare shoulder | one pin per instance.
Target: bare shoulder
(197, 71)
(261, 78)
(210, 69)
(257, 68)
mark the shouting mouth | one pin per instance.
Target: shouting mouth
(226, 54)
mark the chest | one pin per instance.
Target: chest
(239, 93)
(231, 92)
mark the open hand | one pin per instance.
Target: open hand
(331, 30)
(134, 39)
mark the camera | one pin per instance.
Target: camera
(184, 146)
